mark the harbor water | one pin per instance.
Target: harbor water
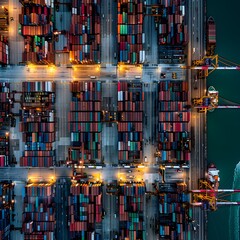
(223, 134)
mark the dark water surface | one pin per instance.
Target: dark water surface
(224, 124)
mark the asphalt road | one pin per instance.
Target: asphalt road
(196, 50)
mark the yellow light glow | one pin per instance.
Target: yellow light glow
(120, 67)
(31, 65)
(98, 68)
(52, 69)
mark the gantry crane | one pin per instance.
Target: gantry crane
(208, 195)
(210, 102)
(208, 64)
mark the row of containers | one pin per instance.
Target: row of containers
(6, 205)
(84, 35)
(85, 120)
(37, 122)
(36, 27)
(171, 25)
(38, 218)
(130, 97)
(4, 134)
(173, 122)
(4, 51)
(174, 215)
(85, 210)
(37, 48)
(130, 32)
(131, 222)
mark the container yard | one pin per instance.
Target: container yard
(130, 33)
(174, 214)
(36, 27)
(38, 211)
(85, 210)
(6, 207)
(4, 123)
(172, 31)
(131, 199)
(172, 28)
(130, 129)
(85, 121)
(37, 122)
(104, 133)
(84, 35)
(173, 122)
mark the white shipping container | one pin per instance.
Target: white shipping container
(74, 10)
(51, 116)
(182, 8)
(143, 37)
(49, 87)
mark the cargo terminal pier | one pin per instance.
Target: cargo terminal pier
(100, 136)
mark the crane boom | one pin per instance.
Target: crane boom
(213, 68)
(222, 107)
(214, 190)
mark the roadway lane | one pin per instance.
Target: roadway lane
(108, 30)
(196, 51)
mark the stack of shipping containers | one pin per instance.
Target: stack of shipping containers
(38, 211)
(130, 130)
(6, 207)
(38, 124)
(4, 134)
(131, 200)
(130, 31)
(84, 35)
(171, 25)
(36, 28)
(4, 21)
(85, 120)
(173, 125)
(4, 50)
(174, 213)
(85, 210)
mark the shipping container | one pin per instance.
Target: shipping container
(130, 117)
(39, 211)
(36, 27)
(131, 200)
(130, 32)
(85, 209)
(171, 26)
(173, 122)
(85, 120)
(5, 123)
(37, 122)
(85, 30)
